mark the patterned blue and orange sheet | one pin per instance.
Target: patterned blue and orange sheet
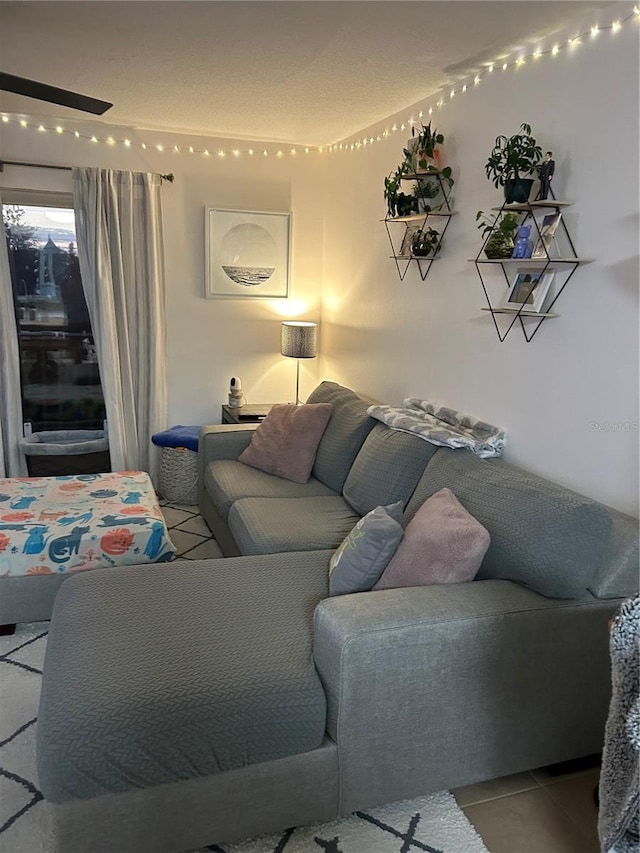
(66, 524)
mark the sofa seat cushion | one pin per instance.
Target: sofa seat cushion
(543, 536)
(386, 469)
(348, 427)
(120, 711)
(227, 480)
(272, 525)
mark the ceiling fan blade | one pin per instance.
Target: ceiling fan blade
(44, 92)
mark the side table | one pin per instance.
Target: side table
(245, 414)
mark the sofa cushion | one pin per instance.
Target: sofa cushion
(286, 441)
(442, 544)
(223, 692)
(348, 427)
(272, 525)
(386, 469)
(227, 480)
(366, 550)
(542, 535)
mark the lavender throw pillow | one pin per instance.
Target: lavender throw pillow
(286, 441)
(442, 543)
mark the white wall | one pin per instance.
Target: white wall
(392, 339)
(208, 340)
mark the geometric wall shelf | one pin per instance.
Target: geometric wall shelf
(551, 267)
(437, 214)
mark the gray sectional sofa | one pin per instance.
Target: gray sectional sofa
(188, 704)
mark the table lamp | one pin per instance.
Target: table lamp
(299, 339)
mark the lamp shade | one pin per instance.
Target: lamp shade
(299, 339)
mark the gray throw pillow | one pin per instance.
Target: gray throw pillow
(363, 556)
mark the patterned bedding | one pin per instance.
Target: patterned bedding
(65, 524)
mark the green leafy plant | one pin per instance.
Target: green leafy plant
(513, 157)
(392, 192)
(425, 243)
(425, 145)
(506, 223)
(406, 204)
(501, 232)
(403, 204)
(427, 142)
(425, 191)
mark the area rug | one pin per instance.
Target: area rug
(433, 824)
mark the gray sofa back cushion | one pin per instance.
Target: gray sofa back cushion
(544, 536)
(348, 427)
(387, 468)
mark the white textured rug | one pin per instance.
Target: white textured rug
(433, 824)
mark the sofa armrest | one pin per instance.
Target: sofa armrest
(221, 442)
(435, 687)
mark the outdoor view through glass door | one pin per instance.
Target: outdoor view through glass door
(59, 368)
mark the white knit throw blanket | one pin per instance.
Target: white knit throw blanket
(442, 426)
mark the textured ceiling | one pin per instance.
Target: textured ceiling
(297, 72)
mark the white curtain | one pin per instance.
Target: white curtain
(119, 231)
(12, 461)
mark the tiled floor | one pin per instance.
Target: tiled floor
(549, 810)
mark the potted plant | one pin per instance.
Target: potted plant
(424, 192)
(502, 228)
(398, 202)
(511, 158)
(425, 243)
(422, 153)
(391, 190)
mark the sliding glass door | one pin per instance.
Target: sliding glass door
(59, 369)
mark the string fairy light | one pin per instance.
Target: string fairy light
(593, 33)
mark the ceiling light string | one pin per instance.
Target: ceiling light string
(444, 98)
(280, 153)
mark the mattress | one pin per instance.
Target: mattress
(72, 523)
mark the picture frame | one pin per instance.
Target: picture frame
(407, 240)
(528, 291)
(547, 234)
(247, 253)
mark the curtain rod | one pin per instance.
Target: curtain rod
(4, 163)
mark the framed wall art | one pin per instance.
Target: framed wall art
(529, 291)
(248, 253)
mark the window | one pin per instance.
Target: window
(59, 368)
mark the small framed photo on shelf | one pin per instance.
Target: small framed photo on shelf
(547, 234)
(407, 240)
(529, 291)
